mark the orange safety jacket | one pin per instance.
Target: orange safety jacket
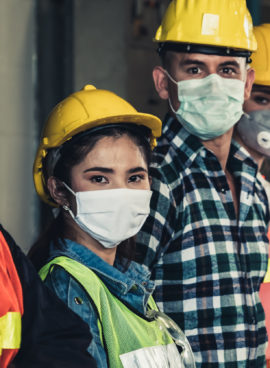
(265, 300)
(11, 306)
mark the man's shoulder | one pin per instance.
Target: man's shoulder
(164, 171)
(262, 188)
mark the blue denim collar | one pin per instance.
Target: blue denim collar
(118, 281)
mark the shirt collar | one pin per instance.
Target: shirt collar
(186, 145)
(118, 280)
(240, 161)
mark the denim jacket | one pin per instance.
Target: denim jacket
(131, 286)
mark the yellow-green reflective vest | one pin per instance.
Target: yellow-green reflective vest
(130, 340)
(10, 331)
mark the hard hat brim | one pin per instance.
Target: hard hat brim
(150, 121)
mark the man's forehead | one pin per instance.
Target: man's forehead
(261, 88)
(206, 58)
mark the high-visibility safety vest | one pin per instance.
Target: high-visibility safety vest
(129, 339)
(11, 306)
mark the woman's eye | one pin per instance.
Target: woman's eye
(98, 179)
(135, 178)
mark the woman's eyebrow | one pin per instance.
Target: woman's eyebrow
(99, 168)
(136, 169)
(108, 170)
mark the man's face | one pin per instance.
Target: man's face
(184, 66)
(259, 99)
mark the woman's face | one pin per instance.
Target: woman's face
(112, 163)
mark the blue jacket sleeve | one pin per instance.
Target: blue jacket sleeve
(73, 295)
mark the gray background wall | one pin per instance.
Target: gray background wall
(18, 133)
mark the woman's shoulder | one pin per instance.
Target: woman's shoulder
(73, 294)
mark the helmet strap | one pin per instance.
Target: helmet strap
(202, 49)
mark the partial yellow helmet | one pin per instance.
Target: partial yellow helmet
(261, 58)
(81, 111)
(218, 23)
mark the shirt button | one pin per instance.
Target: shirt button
(78, 300)
(223, 190)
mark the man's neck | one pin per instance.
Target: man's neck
(220, 147)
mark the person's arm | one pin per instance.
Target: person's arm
(73, 295)
(52, 335)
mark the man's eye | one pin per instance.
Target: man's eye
(228, 70)
(194, 70)
(135, 178)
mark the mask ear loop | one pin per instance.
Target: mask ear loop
(170, 77)
(174, 81)
(65, 207)
(69, 189)
(171, 106)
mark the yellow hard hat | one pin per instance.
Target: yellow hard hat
(217, 23)
(81, 111)
(261, 58)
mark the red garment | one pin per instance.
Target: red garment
(11, 294)
(265, 300)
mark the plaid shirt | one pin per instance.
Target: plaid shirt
(208, 265)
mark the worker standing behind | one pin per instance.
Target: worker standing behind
(253, 129)
(205, 240)
(253, 132)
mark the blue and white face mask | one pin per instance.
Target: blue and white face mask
(209, 106)
(254, 130)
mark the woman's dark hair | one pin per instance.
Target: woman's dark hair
(72, 153)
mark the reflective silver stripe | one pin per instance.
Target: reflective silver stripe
(161, 356)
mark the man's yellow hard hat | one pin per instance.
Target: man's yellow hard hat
(261, 58)
(216, 23)
(83, 110)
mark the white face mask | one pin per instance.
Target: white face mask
(254, 129)
(210, 106)
(113, 215)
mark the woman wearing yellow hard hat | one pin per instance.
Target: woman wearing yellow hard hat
(93, 163)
